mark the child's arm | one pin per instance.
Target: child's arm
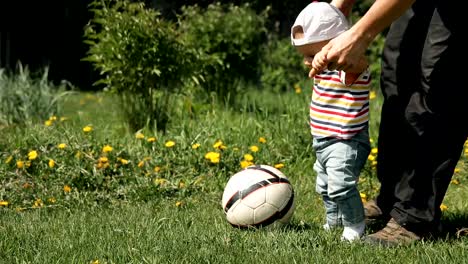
(318, 62)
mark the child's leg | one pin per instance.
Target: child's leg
(344, 164)
(333, 218)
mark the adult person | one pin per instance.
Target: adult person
(423, 121)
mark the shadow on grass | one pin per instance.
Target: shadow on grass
(454, 226)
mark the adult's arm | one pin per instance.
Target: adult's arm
(347, 49)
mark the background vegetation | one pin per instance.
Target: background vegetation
(98, 178)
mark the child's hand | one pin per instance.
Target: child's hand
(318, 64)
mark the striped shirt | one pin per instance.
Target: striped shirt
(338, 110)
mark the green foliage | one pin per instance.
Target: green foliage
(24, 99)
(228, 39)
(281, 65)
(140, 57)
(374, 55)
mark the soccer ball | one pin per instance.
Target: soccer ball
(258, 196)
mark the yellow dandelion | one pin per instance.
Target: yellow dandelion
(52, 118)
(48, 123)
(374, 151)
(95, 261)
(262, 140)
(254, 148)
(62, 145)
(20, 164)
(363, 197)
(103, 160)
(38, 203)
(139, 135)
(279, 166)
(218, 144)
(457, 170)
(141, 164)
(297, 89)
(123, 161)
(157, 169)
(214, 157)
(169, 144)
(371, 157)
(67, 188)
(63, 118)
(215, 160)
(245, 163)
(51, 200)
(195, 146)
(51, 163)
(159, 181)
(372, 95)
(178, 204)
(107, 149)
(87, 129)
(374, 163)
(443, 207)
(32, 155)
(455, 181)
(4, 203)
(248, 157)
(151, 139)
(9, 159)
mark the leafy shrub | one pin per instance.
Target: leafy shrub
(25, 99)
(281, 65)
(374, 55)
(228, 39)
(140, 57)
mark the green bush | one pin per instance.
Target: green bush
(281, 65)
(228, 39)
(24, 99)
(140, 57)
(374, 55)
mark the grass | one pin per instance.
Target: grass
(84, 210)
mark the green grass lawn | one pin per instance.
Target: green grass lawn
(115, 196)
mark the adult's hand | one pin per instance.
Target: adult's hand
(345, 50)
(341, 53)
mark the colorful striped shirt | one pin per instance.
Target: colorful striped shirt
(336, 109)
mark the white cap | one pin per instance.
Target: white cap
(319, 21)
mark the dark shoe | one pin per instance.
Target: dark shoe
(393, 234)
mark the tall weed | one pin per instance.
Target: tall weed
(25, 99)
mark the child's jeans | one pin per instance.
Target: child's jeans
(338, 165)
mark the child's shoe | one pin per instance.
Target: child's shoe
(353, 232)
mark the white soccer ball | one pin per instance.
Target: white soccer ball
(258, 196)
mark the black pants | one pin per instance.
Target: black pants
(424, 121)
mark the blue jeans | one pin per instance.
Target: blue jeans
(338, 165)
